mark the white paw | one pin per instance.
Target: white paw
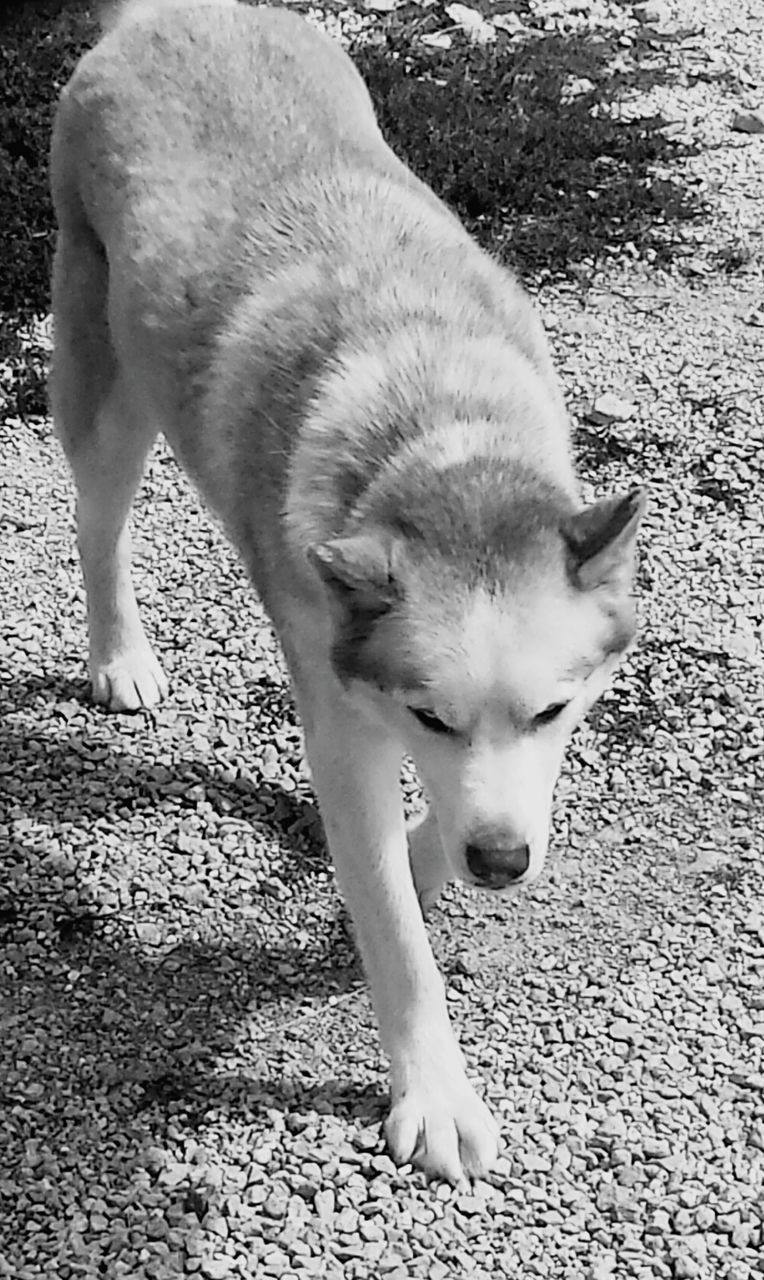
(439, 1123)
(129, 681)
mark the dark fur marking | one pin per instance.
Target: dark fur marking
(466, 514)
(351, 643)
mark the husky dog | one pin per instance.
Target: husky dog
(367, 402)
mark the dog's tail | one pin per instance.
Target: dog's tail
(112, 12)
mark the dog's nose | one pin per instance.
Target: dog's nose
(496, 866)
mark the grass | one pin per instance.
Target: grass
(39, 47)
(524, 140)
(527, 144)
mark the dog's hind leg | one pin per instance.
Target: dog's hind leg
(106, 441)
(427, 859)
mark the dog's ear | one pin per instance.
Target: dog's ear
(601, 541)
(359, 571)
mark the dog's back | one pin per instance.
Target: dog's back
(177, 127)
(227, 164)
(172, 145)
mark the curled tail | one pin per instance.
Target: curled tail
(112, 12)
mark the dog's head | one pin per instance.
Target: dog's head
(482, 649)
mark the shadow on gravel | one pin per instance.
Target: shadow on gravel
(240, 1097)
(110, 1049)
(530, 140)
(17, 694)
(102, 781)
(172, 1002)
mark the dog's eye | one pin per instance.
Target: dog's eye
(549, 714)
(430, 721)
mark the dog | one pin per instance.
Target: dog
(367, 402)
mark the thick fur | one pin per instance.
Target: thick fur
(367, 402)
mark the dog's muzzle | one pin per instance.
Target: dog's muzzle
(495, 867)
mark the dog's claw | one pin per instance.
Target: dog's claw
(444, 1128)
(130, 682)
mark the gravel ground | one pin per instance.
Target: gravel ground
(190, 1080)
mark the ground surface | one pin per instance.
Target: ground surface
(189, 1075)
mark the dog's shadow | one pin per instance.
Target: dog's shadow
(159, 1028)
(104, 780)
(147, 1042)
(100, 783)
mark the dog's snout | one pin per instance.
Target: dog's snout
(496, 866)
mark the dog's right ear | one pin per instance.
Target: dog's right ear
(601, 541)
(358, 570)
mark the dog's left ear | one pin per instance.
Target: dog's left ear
(358, 570)
(601, 541)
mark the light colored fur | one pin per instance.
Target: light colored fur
(362, 397)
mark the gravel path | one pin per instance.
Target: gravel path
(190, 1081)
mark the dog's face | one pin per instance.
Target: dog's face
(484, 681)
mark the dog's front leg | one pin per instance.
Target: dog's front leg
(437, 1120)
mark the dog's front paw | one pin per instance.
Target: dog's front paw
(439, 1123)
(129, 681)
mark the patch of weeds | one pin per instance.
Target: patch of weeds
(24, 354)
(723, 489)
(735, 256)
(37, 55)
(623, 724)
(73, 929)
(732, 876)
(595, 449)
(661, 445)
(720, 491)
(538, 175)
